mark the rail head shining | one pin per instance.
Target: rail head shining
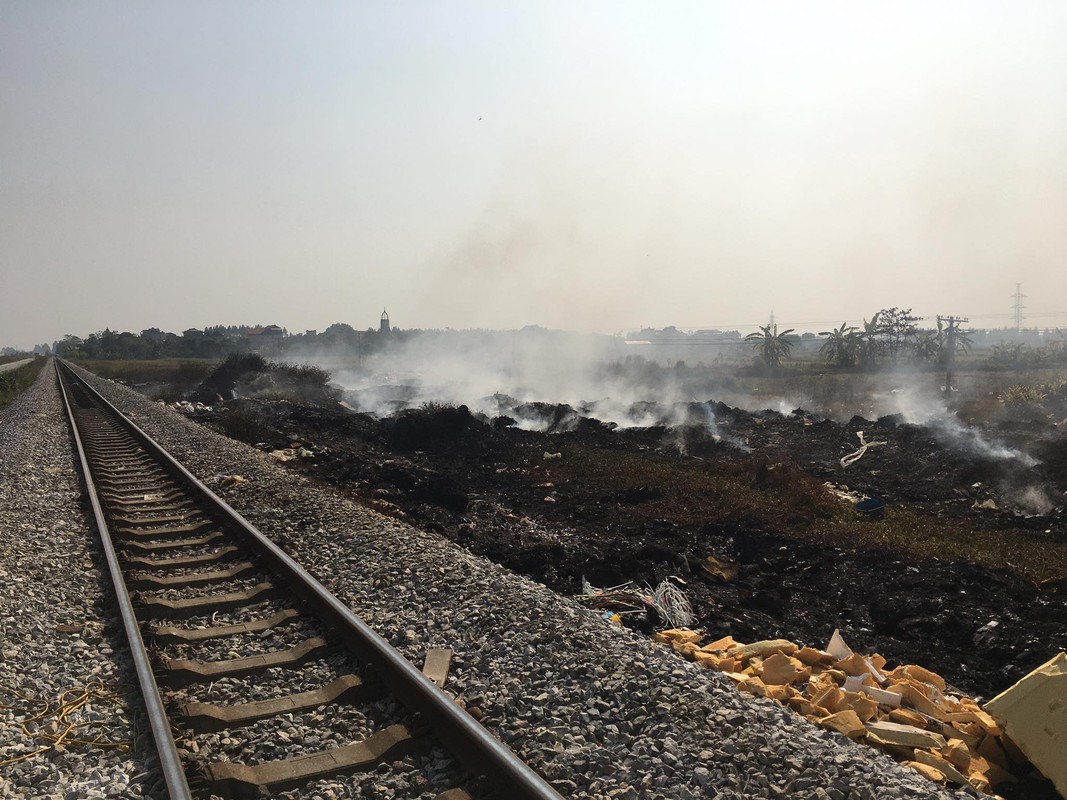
(478, 749)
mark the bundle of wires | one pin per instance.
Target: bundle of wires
(62, 722)
(666, 600)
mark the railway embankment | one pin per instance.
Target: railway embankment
(599, 711)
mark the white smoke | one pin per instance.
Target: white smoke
(930, 411)
(1034, 500)
(528, 375)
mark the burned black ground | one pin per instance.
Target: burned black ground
(935, 581)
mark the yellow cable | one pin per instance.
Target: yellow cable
(60, 718)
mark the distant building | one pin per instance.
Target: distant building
(192, 333)
(266, 332)
(383, 324)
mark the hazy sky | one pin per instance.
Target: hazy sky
(587, 165)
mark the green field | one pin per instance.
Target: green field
(174, 371)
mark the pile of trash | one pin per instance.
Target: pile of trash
(292, 453)
(908, 712)
(185, 407)
(666, 602)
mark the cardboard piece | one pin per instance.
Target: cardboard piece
(1034, 714)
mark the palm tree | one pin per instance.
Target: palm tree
(962, 342)
(868, 343)
(928, 345)
(773, 346)
(842, 346)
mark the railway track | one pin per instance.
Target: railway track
(231, 639)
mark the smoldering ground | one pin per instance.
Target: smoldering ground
(508, 373)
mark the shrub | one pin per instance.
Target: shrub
(1025, 403)
(221, 382)
(302, 374)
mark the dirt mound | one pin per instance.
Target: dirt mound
(433, 427)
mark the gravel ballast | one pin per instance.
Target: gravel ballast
(597, 710)
(58, 630)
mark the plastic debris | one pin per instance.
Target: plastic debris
(185, 407)
(723, 570)
(852, 458)
(872, 507)
(842, 492)
(292, 453)
(1034, 714)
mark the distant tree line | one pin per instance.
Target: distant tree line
(218, 342)
(38, 350)
(892, 336)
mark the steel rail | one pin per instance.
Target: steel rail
(170, 762)
(479, 750)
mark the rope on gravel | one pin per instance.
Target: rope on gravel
(57, 723)
(852, 458)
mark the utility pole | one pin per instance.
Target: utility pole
(1018, 307)
(952, 326)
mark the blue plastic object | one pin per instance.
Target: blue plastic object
(872, 507)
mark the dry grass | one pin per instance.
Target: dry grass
(785, 500)
(774, 496)
(1031, 554)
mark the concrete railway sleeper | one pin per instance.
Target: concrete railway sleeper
(205, 597)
